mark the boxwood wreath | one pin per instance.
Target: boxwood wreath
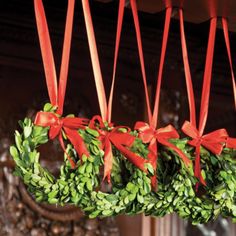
(130, 191)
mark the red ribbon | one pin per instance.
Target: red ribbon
(57, 124)
(148, 133)
(227, 43)
(231, 142)
(121, 141)
(152, 136)
(68, 125)
(213, 141)
(95, 59)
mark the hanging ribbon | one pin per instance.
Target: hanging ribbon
(95, 60)
(188, 79)
(122, 141)
(227, 43)
(213, 141)
(56, 123)
(230, 142)
(148, 132)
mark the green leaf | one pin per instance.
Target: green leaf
(159, 204)
(107, 212)
(53, 200)
(149, 168)
(89, 168)
(48, 107)
(18, 140)
(112, 198)
(53, 194)
(27, 131)
(92, 132)
(89, 185)
(94, 214)
(14, 152)
(132, 197)
(214, 160)
(84, 158)
(140, 198)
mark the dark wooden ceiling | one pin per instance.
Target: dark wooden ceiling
(196, 11)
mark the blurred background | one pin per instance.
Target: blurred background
(23, 92)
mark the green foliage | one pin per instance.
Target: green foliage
(130, 190)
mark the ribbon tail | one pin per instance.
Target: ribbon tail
(77, 142)
(152, 157)
(108, 161)
(197, 168)
(184, 158)
(64, 149)
(132, 157)
(231, 143)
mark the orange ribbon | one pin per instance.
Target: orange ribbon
(213, 141)
(68, 125)
(121, 141)
(152, 136)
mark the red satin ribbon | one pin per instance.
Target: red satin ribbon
(57, 94)
(122, 141)
(227, 43)
(147, 133)
(213, 141)
(189, 85)
(117, 44)
(230, 142)
(95, 60)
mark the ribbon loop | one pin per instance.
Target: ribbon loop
(227, 43)
(95, 60)
(56, 97)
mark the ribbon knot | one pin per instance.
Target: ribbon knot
(213, 141)
(68, 125)
(120, 140)
(148, 134)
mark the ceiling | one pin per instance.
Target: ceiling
(195, 11)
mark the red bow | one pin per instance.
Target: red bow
(69, 125)
(152, 136)
(121, 141)
(213, 141)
